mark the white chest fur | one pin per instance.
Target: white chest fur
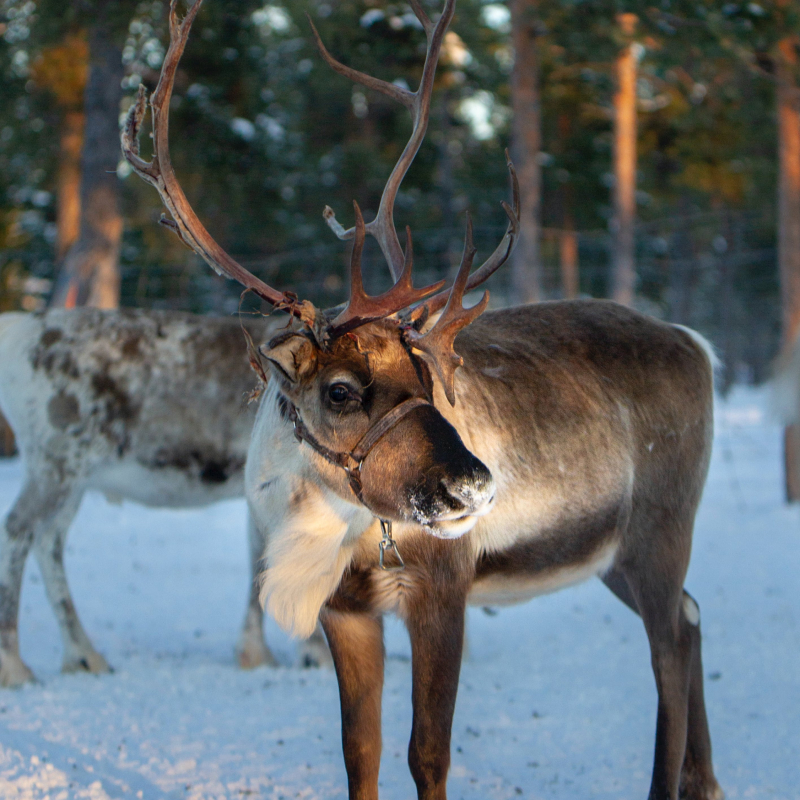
(311, 532)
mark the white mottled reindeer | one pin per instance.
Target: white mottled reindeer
(144, 405)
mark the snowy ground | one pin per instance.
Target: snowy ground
(556, 699)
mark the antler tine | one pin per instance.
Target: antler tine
(496, 259)
(403, 96)
(382, 227)
(159, 173)
(437, 343)
(422, 16)
(362, 308)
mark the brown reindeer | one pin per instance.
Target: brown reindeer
(500, 454)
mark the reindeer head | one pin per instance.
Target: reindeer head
(358, 384)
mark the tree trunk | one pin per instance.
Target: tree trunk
(90, 273)
(788, 99)
(527, 138)
(68, 211)
(681, 264)
(568, 256)
(624, 271)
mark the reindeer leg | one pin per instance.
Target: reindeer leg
(48, 544)
(356, 642)
(670, 638)
(697, 781)
(436, 628)
(697, 776)
(252, 650)
(16, 536)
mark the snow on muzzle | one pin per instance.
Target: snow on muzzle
(421, 471)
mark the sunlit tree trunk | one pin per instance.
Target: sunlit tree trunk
(527, 139)
(90, 272)
(68, 209)
(568, 237)
(568, 257)
(623, 266)
(788, 101)
(61, 71)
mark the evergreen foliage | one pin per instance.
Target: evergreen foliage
(264, 135)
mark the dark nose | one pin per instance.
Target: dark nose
(469, 491)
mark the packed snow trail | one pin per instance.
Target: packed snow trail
(557, 698)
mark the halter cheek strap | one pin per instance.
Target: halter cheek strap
(351, 462)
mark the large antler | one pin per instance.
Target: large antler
(362, 308)
(418, 103)
(437, 343)
(160, 174)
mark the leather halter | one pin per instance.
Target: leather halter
(351, 462)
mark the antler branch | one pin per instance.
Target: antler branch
(437, 343)
(159, 173)
(362, 308)
(496, 259)
(382, 227)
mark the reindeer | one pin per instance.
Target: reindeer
(144, 405)
(409, 461)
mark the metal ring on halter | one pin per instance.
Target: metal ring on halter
(387, 543)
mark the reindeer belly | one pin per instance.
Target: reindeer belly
(546, 557)
(195, 483)
(505, 580)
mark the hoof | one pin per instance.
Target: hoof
(252, 657)
(14, 673)
(88, 662)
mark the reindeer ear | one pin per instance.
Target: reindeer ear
(291, 355)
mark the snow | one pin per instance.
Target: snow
(557, 699)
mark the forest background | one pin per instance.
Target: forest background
(700, 98)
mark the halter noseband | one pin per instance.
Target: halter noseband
(352, 462)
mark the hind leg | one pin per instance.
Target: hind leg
(79, 654)
(682, 765)
(697, 775)
(252, 650)
(16, 536)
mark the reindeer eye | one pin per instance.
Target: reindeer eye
(338, 393)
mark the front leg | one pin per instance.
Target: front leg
(436, 627)
(356, 642)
